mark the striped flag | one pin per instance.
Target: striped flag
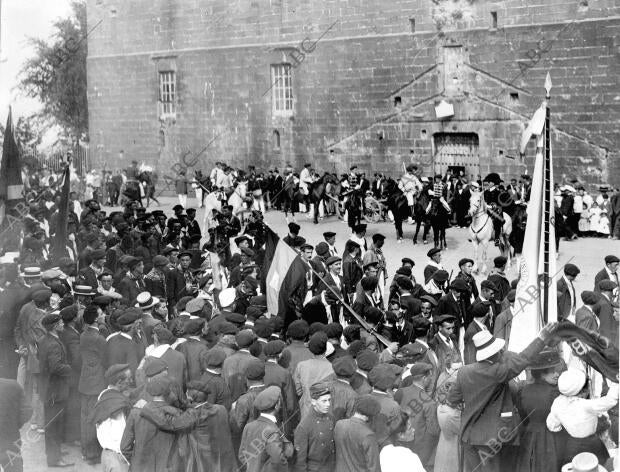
(284, 276)
(528, 310)
(11, 186)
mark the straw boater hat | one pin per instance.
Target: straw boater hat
(146, 301)
(31, 272)
(487, 345)
(85, 290)
(584, 462)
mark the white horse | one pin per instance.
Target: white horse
(481, 231)
(237, 198)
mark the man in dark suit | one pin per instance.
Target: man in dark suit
(332, 278)
(367, 299)
(14, 413)
(408, 302)
(487, 294)
(605, 308)
(567, 299)
(54, 387)
(92, 381)
(403, 332)
(489, 412)
(584, 316)
(445, 343)
(609, 272)
(316, 310)
(133, 283)
(480, 312)
(503, 322)
(88, 275)
(352, 270)
(498, 277)
(70, 338)
(466, 265)
(452, 303)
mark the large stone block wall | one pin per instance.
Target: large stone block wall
(345, 89)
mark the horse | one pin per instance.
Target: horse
(317, 194)
(396, 201)
(419, 213)
(439, 219)
(238, 197)
(481, 230)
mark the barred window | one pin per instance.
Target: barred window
(167, 93)
(282, 90)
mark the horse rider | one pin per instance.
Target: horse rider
(411, 186)
(493, 198)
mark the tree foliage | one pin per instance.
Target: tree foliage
(56, 75)
(27, 133)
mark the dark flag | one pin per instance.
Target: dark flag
(59, 243)
(591, 347)
(11, 186)
(285, 277)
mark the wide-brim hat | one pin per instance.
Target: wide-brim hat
(146, 300)
(31, 272)
(85, 290)
(487, 345)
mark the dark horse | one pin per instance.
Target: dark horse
(317, 193)
(396, 202)
(519, 221)
(420, 215)
(439, 217)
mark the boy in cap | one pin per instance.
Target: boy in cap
(465, 269)
(567, 299)
(263, 442)
(214, 385)
(54, 387)
(314, 436)
(297, 351)
(194, 348)
(498, 277)
(606, 305)
(330, 239)
(609, 272)
(503, 323)
(359, 237)
(356, 443)
(242, 410)
(124, 347)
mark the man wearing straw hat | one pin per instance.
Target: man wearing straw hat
(488, 420)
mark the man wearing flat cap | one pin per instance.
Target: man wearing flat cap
(313, 370)
(343, 395)
(330, 239)
(124, 346)
(263, 444)
(383, 378)
(480, 314)
(422, 409)
(433, 264)
(54, 387)
(235, 366)
(487, 294)
(318, 263)
(332, 277)
(279, 376)
(194, 348)
(567, 296)
(293, 233)
(585, 316)
(445, 343)
(356, 443)
(314, 436)
(606, 307)
(70, 339)
(498, 277)
(609, 272)
(452, 303)
(465, 269)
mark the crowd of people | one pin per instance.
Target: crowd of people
(156, 351)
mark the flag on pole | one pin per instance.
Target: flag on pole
(534, 127)
(11, 186)
(285, 275)
(59, 243)
(528, 310)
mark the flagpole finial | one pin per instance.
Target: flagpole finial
(548, 84)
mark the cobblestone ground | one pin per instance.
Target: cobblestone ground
(586, 253)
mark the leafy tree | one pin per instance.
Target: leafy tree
(56, 75)
(27, 133)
